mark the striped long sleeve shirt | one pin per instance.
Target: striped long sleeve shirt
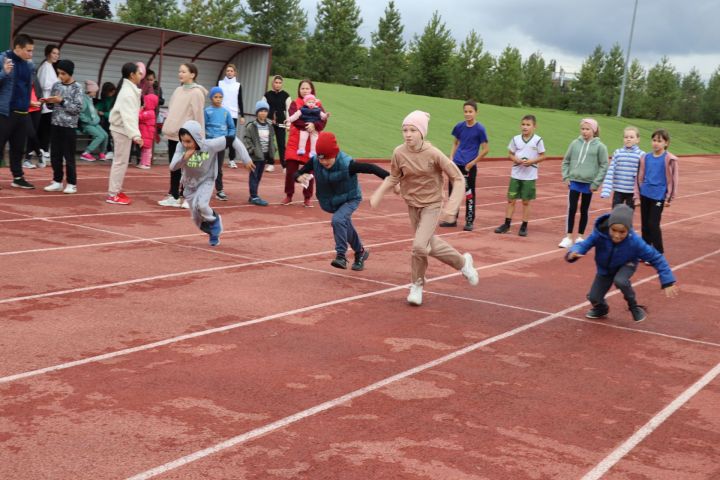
(622, 172)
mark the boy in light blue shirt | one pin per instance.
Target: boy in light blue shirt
(218, 123)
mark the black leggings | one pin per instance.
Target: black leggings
(651, 215)
(175, 176)
(573, 197)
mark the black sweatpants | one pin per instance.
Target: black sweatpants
(33, 143)
(62, 146)
(621, 197)
(601, 285)
(280, 139)
(470, 177)
(650, 215)
(573, 198)
(175, 176)
(13, 130)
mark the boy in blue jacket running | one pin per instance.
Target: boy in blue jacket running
(617, 250)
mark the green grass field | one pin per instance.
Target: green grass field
(367, 123)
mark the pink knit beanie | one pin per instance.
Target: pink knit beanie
(592, 122)
(419, 120)
(309, 97)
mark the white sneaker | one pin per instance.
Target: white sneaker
(579, 239)
(28, 164)
(41, 163)
(169, 201)
(44, 153)
(233, 164)
(70, 188)
(566, 242)
(185, 204)
(54, 187)
(469, 271)
(109, 156)
(415, 296)
(270, 168)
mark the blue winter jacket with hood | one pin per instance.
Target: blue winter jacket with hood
(610, 256)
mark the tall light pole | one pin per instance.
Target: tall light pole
(627, 62)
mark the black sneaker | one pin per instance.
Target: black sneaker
(638, 312)
(20, 182)
(221, 196)
(598, 312)
(448, 224)
(339, 262)
(523, 231)
(504, 228)
(360, 258)
(468, 227)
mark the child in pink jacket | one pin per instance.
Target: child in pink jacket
(148, 129)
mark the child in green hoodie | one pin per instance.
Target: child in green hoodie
(583, 170)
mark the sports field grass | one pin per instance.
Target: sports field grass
(367, 123)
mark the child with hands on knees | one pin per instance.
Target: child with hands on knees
(197, 157)
(617, 250)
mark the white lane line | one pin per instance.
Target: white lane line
(284, 422)
(616, 455)
(224, 328)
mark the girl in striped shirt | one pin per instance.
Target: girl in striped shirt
(621, 175)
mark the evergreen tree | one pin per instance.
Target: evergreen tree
(711, 100)
(387, 50)
(72, 7)
(692, 91)
(151, 13)
(334, 53)
(537, 81)
(217, 18)
(97, 9)
(282, 24)
(662, 90)
(470, 70)
(634, 90)
(610, 80)
(429, 59)
(506, 81)
(586, 88)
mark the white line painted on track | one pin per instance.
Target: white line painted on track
(330, 404)
(616, 455)
(245, 323)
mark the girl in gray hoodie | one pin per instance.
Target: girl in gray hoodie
(583, 170)
(197, 157)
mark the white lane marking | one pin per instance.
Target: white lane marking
(284, 422)
(616, 455)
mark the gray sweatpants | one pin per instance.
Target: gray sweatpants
(199, 200)
(621, 279)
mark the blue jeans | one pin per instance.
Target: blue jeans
(255, 177)
(343, 229)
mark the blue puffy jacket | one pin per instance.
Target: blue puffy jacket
(610, 256)
(336, 185)
(7, 83)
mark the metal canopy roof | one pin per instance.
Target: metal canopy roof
(99, 48)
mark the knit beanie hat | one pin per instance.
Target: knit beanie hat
(214, 91)
(261, 105)
(309, 97)
(91, 87)
(591, 122)
(621, 214)
(327, 146)
(419, 120)
(66, 66)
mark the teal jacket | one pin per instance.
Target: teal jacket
(88, 115)
(585, 162)
(335, 185)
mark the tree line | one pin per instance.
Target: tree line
(431, 63)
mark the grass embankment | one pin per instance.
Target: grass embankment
(367, 123)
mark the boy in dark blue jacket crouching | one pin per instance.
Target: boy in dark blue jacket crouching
(617, 251)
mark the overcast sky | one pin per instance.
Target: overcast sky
(567, 30)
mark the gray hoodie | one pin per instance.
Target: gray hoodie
(202, 166)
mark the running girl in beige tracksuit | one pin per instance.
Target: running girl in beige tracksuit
(418, 167)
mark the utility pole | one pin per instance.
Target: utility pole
(627, 62)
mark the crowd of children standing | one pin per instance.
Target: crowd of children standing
(40, 114)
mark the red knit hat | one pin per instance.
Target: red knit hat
(327, 146)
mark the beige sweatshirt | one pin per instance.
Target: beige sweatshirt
(420, 175)
(186, 103)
